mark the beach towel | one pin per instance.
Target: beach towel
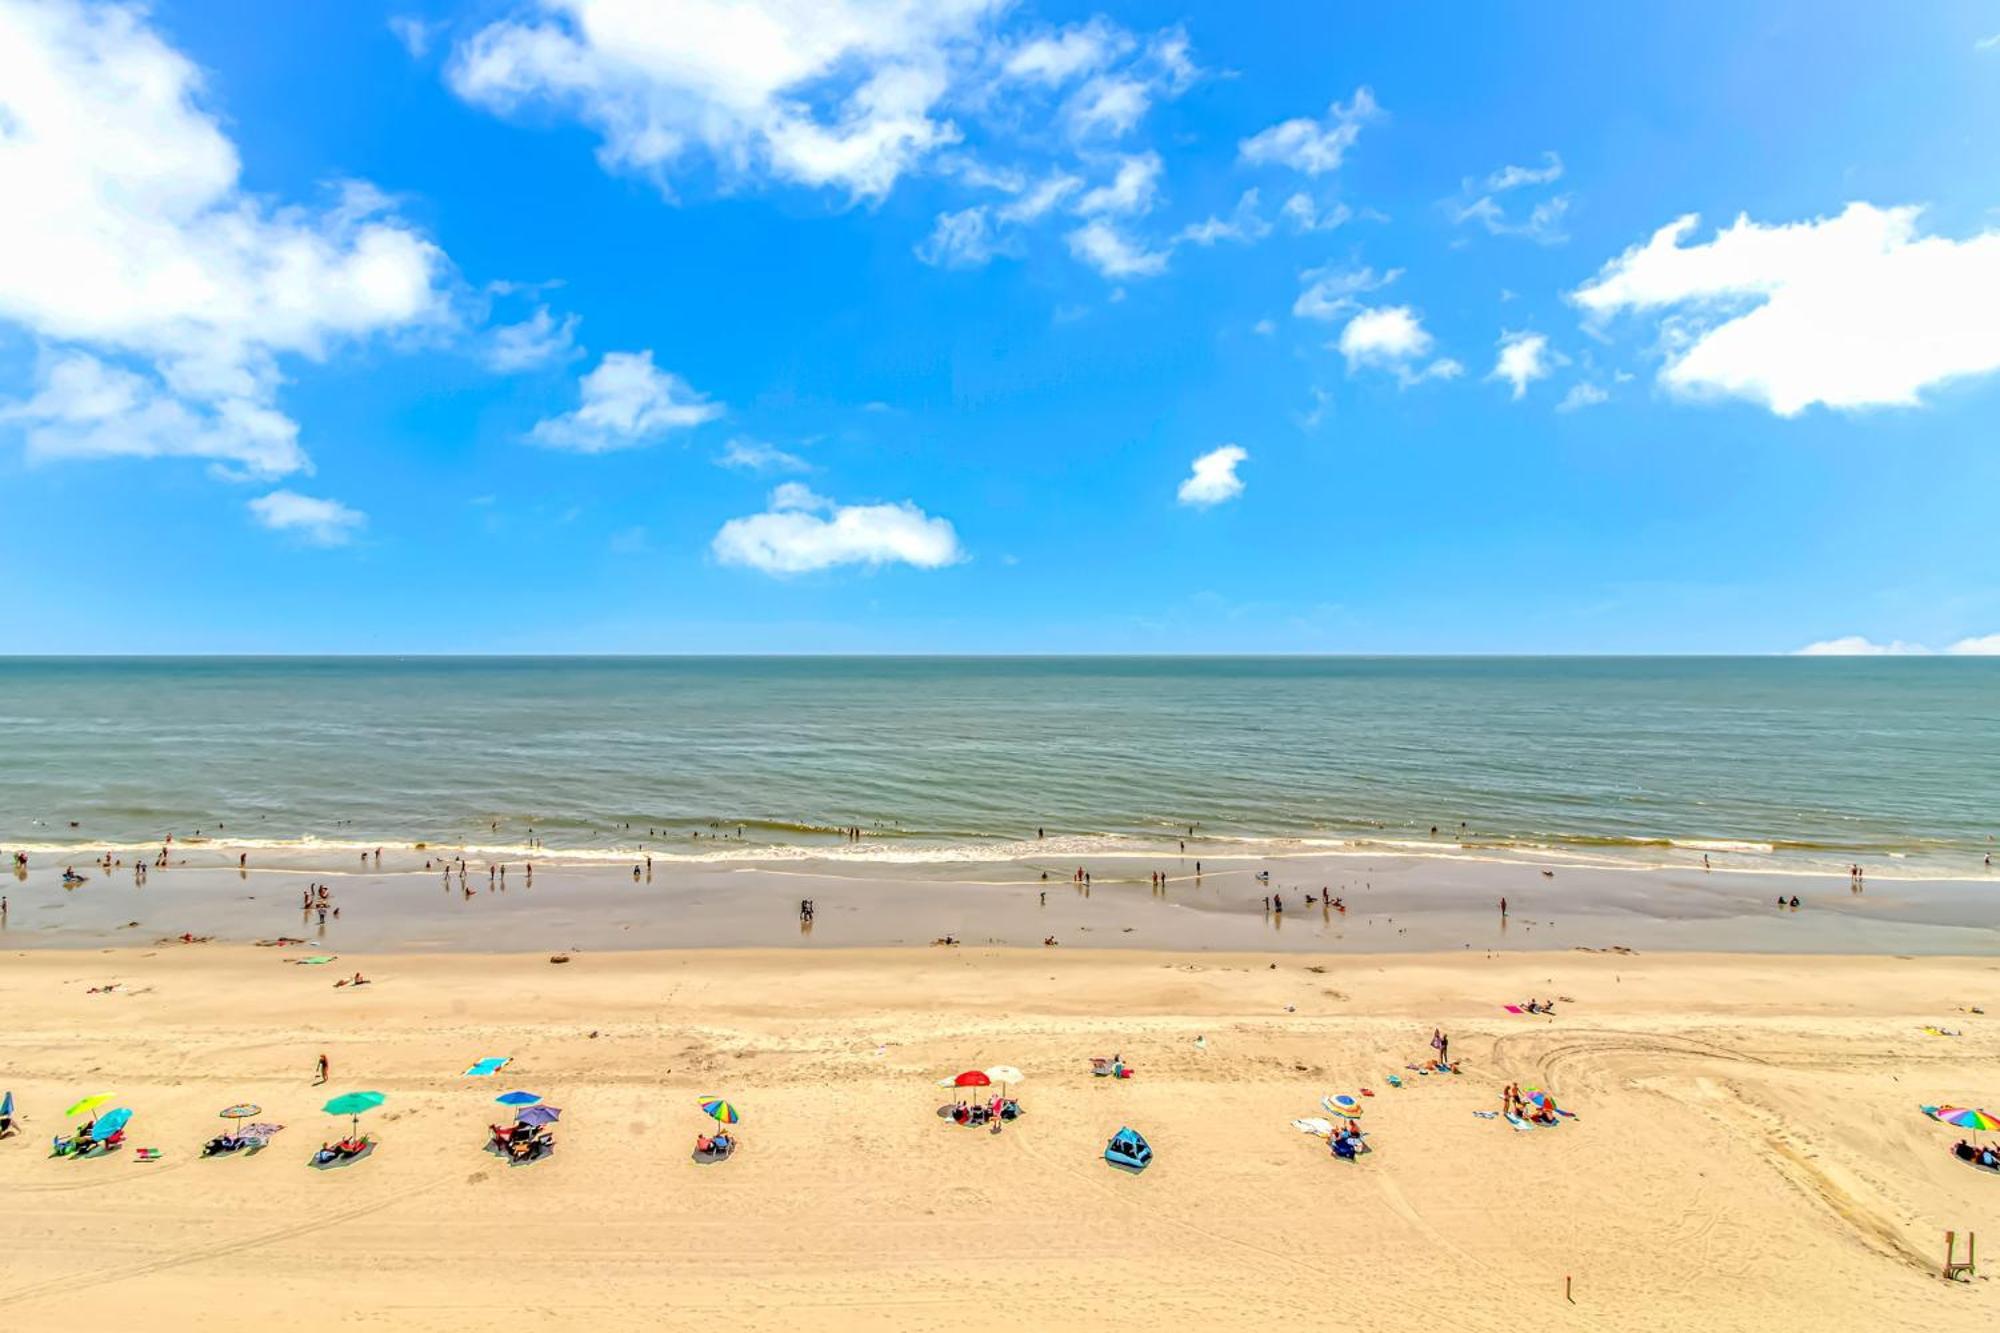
(1942, 1032)
(1513, 1008)
(1518, 1123)
(492, 1064)
(1313, 1125)
(1395, 1080)
(1487, 1115)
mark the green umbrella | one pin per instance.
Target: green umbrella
(88, 1104)
(353, 1104)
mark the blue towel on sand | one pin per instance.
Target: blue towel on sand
(492, 1064)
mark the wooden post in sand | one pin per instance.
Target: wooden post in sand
(1954, 1266)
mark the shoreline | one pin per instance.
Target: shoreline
(1393, 905)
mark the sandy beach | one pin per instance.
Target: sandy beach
(1746, 1141)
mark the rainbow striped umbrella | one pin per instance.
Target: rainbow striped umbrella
(1966, 1117)
(722, 1111)
(1342, 1104)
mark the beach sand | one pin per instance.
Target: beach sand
(1747, 1152)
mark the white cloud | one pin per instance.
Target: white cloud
(802, 532)
(87, 409)
(1987, 43)
(1214, 478)
(539, 340)
(1243, 224)
(1524, 357)
(841, 93)
(1313, 147)
(1544, 221)
(1512, 177)
(126, 234)
(1129, 193)
(1329, 292)
(414, 33)
(1054, 58)
(1042, 198)
(1856, 645)
(1582, 394)
(1393, 338)
(1859, 645)
(756, 456)
(1264, 328)
(965, 239)
(627, 402)
(320, 522)
(1852, 311)
(1109, 106)
(1104, 248)
(1303, 215)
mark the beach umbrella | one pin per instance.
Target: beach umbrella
(240, 1111)
(722, 1111)
(353, 1104)
(1966, 1117)
(973, 1078)
(1005, 1074)
(6, 1106)
(540, 1115)
(112, 1121)
(518, 1098)
(1342, 1104)
(89, 1104)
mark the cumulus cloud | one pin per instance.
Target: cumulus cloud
(964, 239)
(842, 93)
(539, 340)
(320, 522)
(1113, 254)
(1393, 338)
(1859, 645)
(1524, 358)
(1313, 147)
(1057, 56)
(1244, 224)
(414, 33)
(627, 402)
(1214, 478)
(801, 532)
(1303, 215)
(1329, 292)
(1582, 394)
(163, 295)
(1852, 311)
(1479, 201)
(1129, 192)
(756, 456)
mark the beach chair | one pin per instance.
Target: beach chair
(1129, 1149)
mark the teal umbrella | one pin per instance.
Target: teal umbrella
(353, 1104)
(111, 1122)
(6, 1106)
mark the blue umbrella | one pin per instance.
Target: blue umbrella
(111, 1122)
(7, 1105)
(518, 1098)
(540, 1115)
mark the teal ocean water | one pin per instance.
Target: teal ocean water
(1754, 761)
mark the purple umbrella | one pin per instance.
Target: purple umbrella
(540, 1115)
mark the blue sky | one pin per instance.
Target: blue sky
(960, 327)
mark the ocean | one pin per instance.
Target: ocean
(1754, 761)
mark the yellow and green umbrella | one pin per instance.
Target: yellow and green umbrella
(89, 1104)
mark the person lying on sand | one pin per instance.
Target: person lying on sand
(356, 980)
(1050, 942)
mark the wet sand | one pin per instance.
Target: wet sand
(1393, 904)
